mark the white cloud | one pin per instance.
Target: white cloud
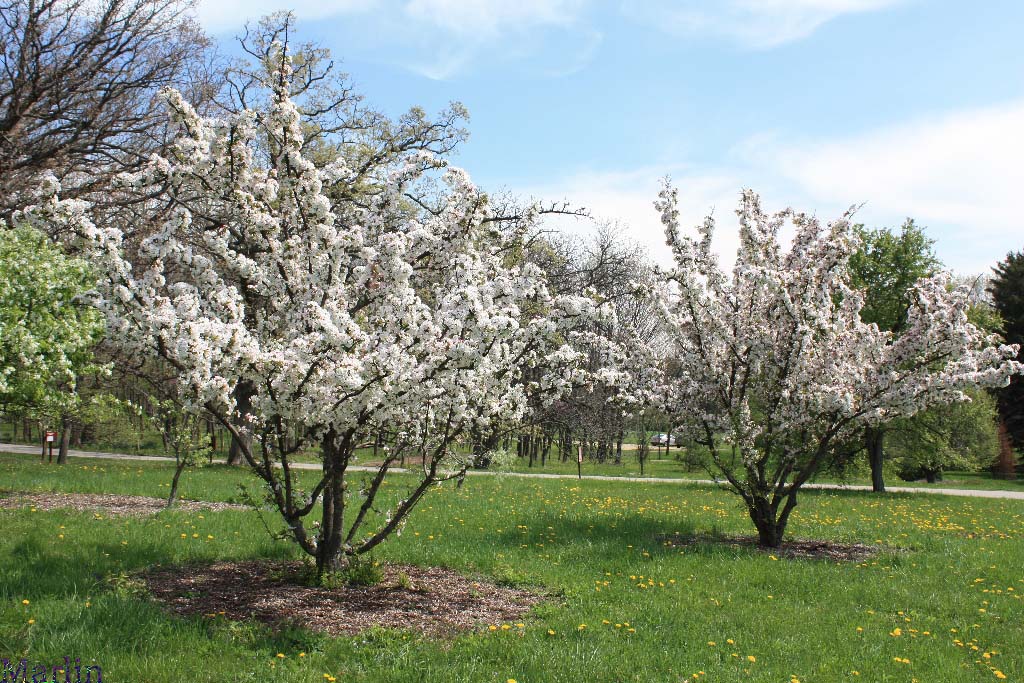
(960, 175)
(485, 19)
(962, 168)
(438, 38)
(626, 199)
(441, 39)
(220, 16)
(757, 24)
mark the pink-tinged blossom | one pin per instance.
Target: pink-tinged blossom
(772, 367)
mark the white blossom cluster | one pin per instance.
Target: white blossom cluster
(773, 361)
(345, 315)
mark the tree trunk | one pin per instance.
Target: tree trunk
(330, 555)
(769, 535)
(243, 404)
(874, 443)
(929, 476)
(1006, 467)
(65, 439)
(234, 452)
(770, 525)
(173, 497)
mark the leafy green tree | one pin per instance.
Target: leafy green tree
(47, 334)
(961, 436)
(1007, 290)
(886, 268)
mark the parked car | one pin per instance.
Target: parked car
(663, 440)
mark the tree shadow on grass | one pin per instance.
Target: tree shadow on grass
(585, 539)
(104, 606)
(653, 537)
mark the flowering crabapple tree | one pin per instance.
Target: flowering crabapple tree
(773, 368)
(311, 314)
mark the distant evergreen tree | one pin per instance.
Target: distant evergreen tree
(1007, 289)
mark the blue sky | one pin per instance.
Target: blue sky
(910, 107)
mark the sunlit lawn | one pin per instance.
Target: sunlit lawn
(942, 602)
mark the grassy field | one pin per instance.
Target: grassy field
(941, 602)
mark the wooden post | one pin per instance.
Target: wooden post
(49, 437)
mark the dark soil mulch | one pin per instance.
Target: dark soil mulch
(798, 548)
(432, 601)
(109, 503)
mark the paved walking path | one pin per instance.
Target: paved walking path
(970, 493)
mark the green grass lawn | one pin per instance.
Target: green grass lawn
(942, 602)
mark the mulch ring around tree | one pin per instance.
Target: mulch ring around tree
(114, 505)
(430, 600)
(796, 548)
